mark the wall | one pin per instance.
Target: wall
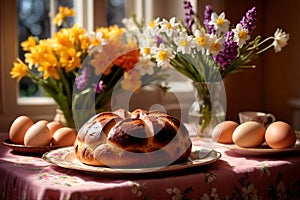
(274, 81)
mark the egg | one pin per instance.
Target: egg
(222, 133)
(280, 135)
(249, 134)
(53, 126)
(64, 137)
(43, 121)
(38, 135)
(18, 129)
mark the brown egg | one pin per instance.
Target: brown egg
(64, 137)
(18, 129)
(249, 134)
(53, 126)
(223, 132)
(38, 135)
(280, 135)
(43, 121)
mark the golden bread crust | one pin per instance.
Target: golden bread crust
(137, 139)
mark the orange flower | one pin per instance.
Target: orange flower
(128, 60)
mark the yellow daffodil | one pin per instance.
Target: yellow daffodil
(111, 32)
(85, 42)
(63, 38)
(49, 65)
(30, 42)
(19, 70)
(70, 59)
(37, 53)
(63, 13)
(49, 71)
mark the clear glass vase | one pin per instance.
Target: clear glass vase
(209, 107)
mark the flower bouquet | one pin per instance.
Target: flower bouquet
(204, 52)
(80, 70)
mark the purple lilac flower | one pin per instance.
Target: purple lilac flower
(158, 40)
(207, 17)
(225, 57)
(249, 20)
(99, 87)
(189, 15)
(81, 80)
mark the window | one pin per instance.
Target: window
(10, 103)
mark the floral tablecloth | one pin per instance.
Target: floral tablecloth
(231, 177)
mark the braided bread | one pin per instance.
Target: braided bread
(132, 139)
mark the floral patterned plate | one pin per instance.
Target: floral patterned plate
(28, 149)
(65, 157)
(262, 150)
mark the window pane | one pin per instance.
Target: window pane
(34, 20)
(115, 12)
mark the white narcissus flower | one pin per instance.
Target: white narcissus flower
(215, 44)
(219, 22)
(241, 35)
(153, 27)
(280, 40)
(169, 27)
(184, 43)
(145, 65)
(145, 45)
(97, 41)
(201, 40)
(129, 24)
(162, 55)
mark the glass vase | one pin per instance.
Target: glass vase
(208, 109)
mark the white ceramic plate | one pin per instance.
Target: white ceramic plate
(65, 157)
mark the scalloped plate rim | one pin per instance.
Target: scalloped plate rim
(68, 160)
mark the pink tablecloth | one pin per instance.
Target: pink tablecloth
(231, 177)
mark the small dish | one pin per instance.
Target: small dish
(28, 149)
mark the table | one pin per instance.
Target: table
(231, 177)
